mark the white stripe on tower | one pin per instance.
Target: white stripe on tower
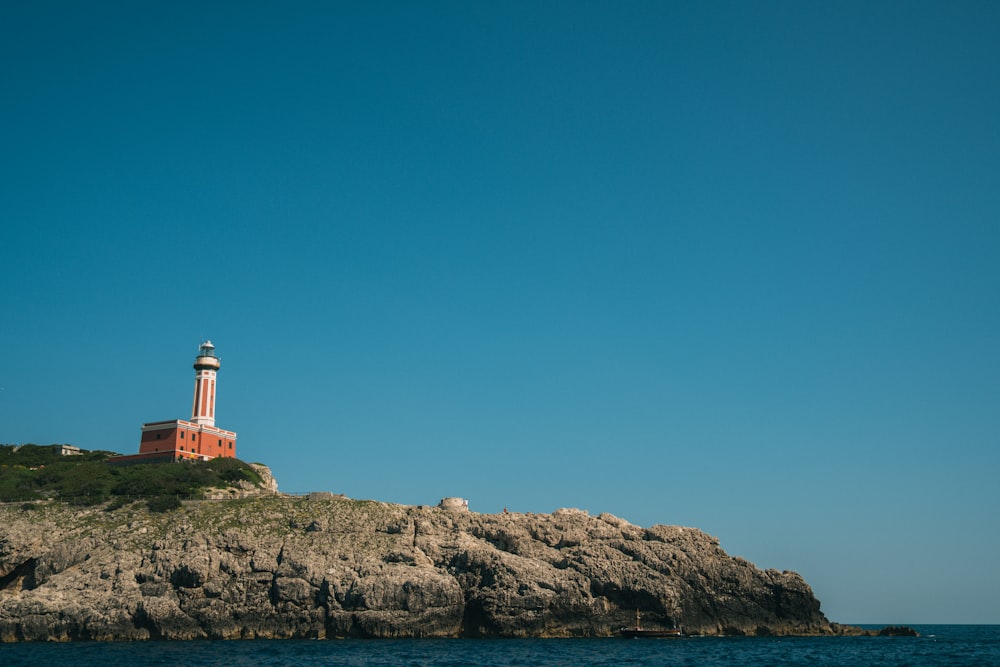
(194, 406)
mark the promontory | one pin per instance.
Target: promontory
(268, 565)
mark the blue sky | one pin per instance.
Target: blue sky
(725, 265)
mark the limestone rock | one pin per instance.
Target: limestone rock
(327, 566)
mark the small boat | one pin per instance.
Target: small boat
(639, 631)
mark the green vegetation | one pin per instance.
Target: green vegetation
(33, 472)
(163, 503)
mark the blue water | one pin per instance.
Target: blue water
(939, 646)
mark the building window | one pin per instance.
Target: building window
(182, 435)
(194, 435)
(230, 445)
(220, 443)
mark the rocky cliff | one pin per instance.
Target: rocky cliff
(323, 567)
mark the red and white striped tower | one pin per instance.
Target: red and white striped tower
(205, 366)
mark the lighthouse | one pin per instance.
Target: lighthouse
(196, 440)
(206, 367)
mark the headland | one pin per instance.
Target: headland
(249, 562)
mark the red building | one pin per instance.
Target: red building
(198, 439)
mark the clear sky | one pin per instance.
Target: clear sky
(726, 265)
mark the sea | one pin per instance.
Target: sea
(937, 646)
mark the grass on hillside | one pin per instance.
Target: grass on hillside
(33, 472)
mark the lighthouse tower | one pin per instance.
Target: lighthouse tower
(199, 439)
(206, 366)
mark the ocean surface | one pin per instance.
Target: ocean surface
(938, 646)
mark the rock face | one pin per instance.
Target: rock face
(323, 567)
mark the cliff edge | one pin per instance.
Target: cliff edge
(275, 566)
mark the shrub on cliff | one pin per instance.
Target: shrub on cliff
(32, 472)
(233, 471)
(41, 455)
(158, 479)
(163, 503)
